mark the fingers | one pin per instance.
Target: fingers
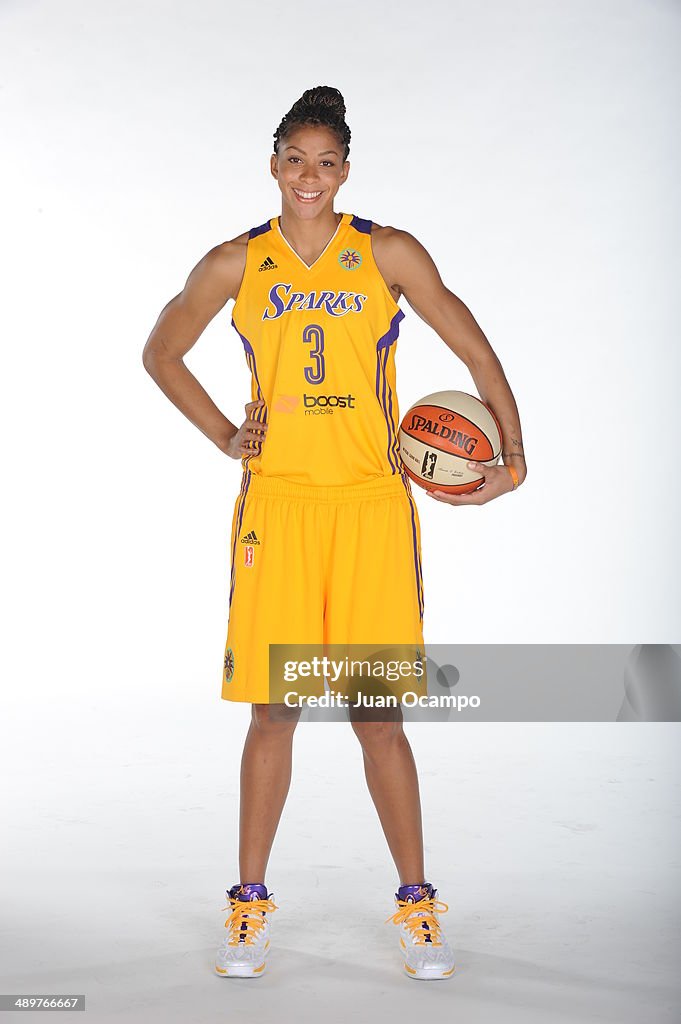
(250, 406)
(253, 427)
(472, 498)
(250, 436)
(253, 431)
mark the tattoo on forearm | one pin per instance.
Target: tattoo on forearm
(514, 455)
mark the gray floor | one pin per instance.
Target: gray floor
(555, 846)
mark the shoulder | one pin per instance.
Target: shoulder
(390, 240)
(233, 251)
(394, 251)
(223, 266)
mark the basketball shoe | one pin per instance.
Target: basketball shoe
(427, 955)
(243, 950)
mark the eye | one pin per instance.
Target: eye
(329, 162)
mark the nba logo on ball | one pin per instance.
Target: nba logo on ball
(444, 431)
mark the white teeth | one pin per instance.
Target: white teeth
(307, 195)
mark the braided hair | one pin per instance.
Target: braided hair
(322, 105)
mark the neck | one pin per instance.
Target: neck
(304, 234)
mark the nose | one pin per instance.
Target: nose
(309, 177)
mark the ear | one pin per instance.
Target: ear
(346, 170)
(274, 165)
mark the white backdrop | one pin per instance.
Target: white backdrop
(530, 146)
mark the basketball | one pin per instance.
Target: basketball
(441, 433)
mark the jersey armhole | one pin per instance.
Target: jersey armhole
(384, 284)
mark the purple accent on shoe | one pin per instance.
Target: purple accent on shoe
(250, 891)
(414, 893)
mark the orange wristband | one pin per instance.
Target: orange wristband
(514, 474)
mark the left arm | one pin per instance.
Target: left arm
(409, 270)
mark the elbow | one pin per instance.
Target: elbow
(149, 359)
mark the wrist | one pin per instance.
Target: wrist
(517, 470)
(225, 437)
(517, 477)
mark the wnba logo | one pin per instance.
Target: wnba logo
(229, 664)
(350, 259)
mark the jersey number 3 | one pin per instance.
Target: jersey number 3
(313, 333)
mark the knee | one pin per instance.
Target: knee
(274, 719)
(375, 735)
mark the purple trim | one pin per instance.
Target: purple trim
(260, 230)
(359, 224)
(387, 421)
(261, 414)
(245, 342)
(417, 559)
(242, 499)
(395, 427)
(393, 331)
(383, 357)
(382, 353)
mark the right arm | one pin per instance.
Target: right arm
(215, 279)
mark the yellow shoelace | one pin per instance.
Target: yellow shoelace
(427, 907)
(248, 912)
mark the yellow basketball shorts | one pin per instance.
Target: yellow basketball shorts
(319, 565)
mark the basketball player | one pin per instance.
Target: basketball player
(325, 539)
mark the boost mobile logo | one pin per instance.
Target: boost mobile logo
(317, 404)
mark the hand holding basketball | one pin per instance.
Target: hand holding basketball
(497, 480)
(250, 434)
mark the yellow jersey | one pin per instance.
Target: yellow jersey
(320, 343)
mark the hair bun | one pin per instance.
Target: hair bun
(323, 105)
(324, 96)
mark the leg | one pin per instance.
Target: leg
(265, 781)
(392, 779)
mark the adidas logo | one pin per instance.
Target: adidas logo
(250, 538)
(267, 264)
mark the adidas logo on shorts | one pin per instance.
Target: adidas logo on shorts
(267, 264)
(250, 538)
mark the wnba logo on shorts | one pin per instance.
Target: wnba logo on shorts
(229, 664)
(249, 554)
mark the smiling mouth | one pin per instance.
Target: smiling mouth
(307, 197)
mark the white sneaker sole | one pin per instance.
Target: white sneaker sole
(428, 975)
(241, 972)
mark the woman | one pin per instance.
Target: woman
(325, 544)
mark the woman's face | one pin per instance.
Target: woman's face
(310, 160)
